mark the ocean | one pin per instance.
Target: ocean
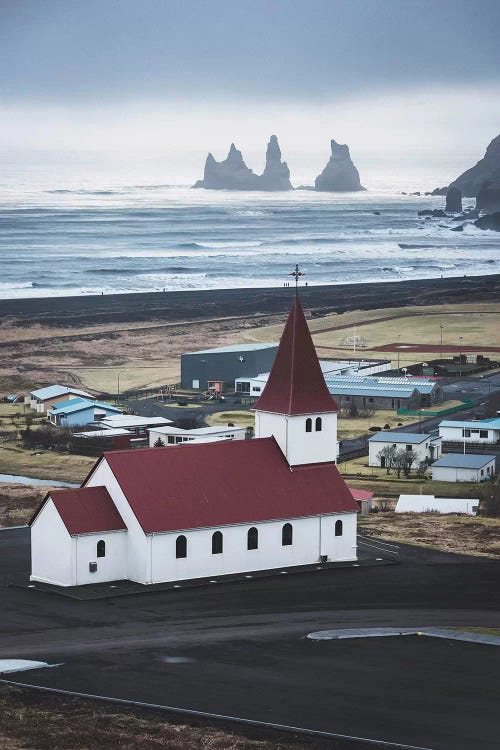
(71, 238)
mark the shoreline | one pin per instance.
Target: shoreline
(199, 304)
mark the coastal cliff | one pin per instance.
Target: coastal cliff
(487, 169)
(233, 173)
(340, 174)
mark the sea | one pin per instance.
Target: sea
(62, 233)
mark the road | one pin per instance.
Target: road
(239, 648)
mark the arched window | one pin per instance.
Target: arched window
(101, 548)
(319, 424)
(338, 528)
(252, 538)
(181, 546)
(287, 535)
(217, 543)
(309, 424)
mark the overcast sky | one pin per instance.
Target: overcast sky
(149, 74)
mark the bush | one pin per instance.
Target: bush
(375, 429)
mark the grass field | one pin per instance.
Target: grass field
(469, 535)
(60, 467)
(351, 427)
(239, 418)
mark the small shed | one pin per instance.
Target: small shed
(463, 467)
(432, 504)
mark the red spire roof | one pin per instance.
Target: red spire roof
(296, 384)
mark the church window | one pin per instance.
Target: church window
(309, 424)
(101, 548)
(217, 543)
(181, 547)
(319, 424)
(287, 535)
(253, 538)
(338, 528)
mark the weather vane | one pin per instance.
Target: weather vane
(297, 273)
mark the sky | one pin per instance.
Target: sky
(173, 79)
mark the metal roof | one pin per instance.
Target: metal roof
(463, 461)
(424, 387)
(479, 424)
(338, 388)
(52, 391)
(223, 429)
(236, 348)
(128, 420)
(81, 404)
(400, 437)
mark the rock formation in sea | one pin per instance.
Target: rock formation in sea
(487, 168)
(340, 174)
(488, 197)
(454, 200)
(276, 175)
(233, 173)
(489, 221)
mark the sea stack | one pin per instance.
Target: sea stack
(340, 174)
(233, 173)
(488, 197)
(276, 175)
(487, 169)
(454, 200)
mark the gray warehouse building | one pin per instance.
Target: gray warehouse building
(226, 364)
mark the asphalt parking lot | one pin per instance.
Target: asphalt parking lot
(239, 649)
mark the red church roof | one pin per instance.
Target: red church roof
(231, 482)
(85, 510)
(296, 384)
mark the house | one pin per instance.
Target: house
(463, 467)
(431, 504)
(175, 435)
(378, 392)
(485, 431)
(348, 367)
(100, 440)
(225, 363)
(154, 515)
(43, 399)
(77, 412)
(426, 446)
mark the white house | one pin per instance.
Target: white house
(431, 504)
(480, 431)
(138, 426)
(460, 467)
(231, 506)
(426, 446)
(175, 435)
(42, 399)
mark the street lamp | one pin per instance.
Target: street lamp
(460, 338)
(441, 348)
(118, 385)
(399, 343)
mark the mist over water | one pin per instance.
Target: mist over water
(72, 230)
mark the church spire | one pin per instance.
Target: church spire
(296, 384)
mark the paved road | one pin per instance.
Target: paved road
(239, 649)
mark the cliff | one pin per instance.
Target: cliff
(340, 174)
(233, 173)
(487, 169)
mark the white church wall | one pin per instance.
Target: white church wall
(51, 548)
(137, 560)
(236, 557)
(111, 567)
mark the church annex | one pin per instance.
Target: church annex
(190, 511)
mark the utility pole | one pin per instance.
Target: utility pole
(441, 349)
(460, 357)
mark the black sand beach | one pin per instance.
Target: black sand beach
(200, 304)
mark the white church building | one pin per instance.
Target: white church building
(155, 515)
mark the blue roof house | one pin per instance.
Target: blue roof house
(77, 412)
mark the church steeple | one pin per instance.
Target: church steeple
(296, 406)
(296, 384)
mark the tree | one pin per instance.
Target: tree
(409, 459)
(386, 457)
(159, 443)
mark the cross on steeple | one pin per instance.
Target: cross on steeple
(297, 273)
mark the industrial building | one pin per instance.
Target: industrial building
(225, 364)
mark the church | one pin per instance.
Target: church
(155, 515)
